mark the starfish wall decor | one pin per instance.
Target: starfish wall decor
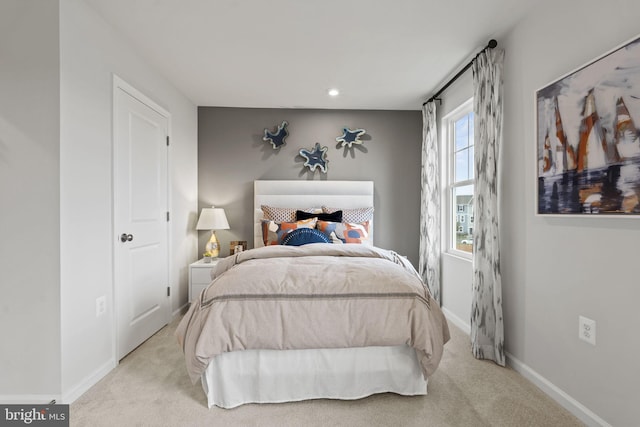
(350, 137)
(315, 158)
(277, 138)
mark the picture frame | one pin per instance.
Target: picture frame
(234, 243)
(587, 139)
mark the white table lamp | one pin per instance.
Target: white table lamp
(212, 219)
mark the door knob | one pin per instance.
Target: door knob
(126, 237)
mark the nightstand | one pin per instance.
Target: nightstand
(200, 276)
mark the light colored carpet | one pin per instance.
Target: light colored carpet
(150, 387)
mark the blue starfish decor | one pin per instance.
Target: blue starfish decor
(277, 139)
(350, 137)
(316, 158)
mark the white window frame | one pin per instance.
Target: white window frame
(449, 209)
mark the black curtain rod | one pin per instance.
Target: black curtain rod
(492, 43)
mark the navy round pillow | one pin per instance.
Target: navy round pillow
(302, 236)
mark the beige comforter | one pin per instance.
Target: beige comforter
(313, 296)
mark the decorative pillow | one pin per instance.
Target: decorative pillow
(335, 216)
(273, 232)
(345, 232)
(352, 215)
(304, 236)
(283, 214)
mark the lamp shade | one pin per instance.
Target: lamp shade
(212, 219)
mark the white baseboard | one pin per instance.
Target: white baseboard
(28, 399)
(79, 389)
(466, 328)
(563, 399)
(89, 381)
(180, 311)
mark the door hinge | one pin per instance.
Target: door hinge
(167, 216)
(167, 140)
(168, 291)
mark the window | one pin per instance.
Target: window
(459, 182)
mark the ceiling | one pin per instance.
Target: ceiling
(380, 54)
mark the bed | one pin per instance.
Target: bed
(340, 321)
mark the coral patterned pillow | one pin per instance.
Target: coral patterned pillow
(345, 232)
(274, 232)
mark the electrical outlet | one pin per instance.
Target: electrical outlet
(587, 330)
(101, 305)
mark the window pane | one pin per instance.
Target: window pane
(462, 166)
(471, 164)
(462, 133)
(459, 178)
(463, 208)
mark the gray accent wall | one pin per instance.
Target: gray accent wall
(232, 154)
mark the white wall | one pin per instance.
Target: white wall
(90, 53)
(29, 200)
(555, 269)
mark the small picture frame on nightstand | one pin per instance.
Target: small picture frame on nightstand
(236, 246)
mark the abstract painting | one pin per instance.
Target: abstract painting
(588, 145)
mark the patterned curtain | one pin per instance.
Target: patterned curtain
(429, 264)
(487, 333)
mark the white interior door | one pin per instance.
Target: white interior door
(141, 255)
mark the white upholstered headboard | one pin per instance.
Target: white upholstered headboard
(310, 194)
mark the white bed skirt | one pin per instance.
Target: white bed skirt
(272, 376)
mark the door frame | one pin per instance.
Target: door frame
(121, 85)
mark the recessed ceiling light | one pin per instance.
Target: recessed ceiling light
(333, 92)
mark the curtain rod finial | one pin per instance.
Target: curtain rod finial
(492, 43)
